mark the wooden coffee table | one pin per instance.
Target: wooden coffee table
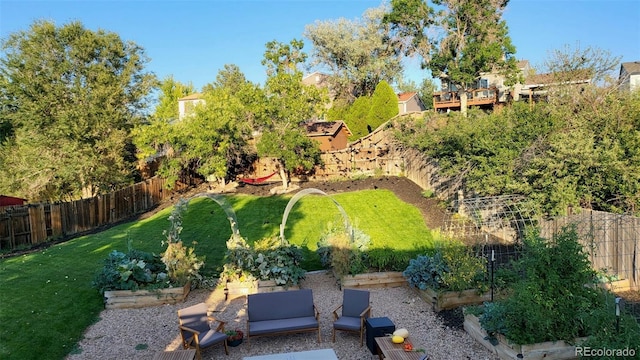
(188, 354)
(390, 351)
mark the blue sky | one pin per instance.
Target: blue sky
(192, 40)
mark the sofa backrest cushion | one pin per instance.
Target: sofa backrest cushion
(280, 305)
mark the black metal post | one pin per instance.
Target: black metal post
(493, 260)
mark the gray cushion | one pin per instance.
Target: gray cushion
(211, 337)
(354, 302)
(280, 305)
(194, 317)
(291, 324)
(347, 323)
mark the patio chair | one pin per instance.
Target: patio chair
(355, 310)
(196, 330)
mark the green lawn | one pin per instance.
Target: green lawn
(46, 298)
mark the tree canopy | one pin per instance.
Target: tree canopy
(69, 97)
(211, 141)
(356, 53)
(289, 103)
(579, 150)
(458, 40)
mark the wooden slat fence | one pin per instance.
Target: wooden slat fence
(612, 241)
(32, 224)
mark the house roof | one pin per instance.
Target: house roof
(406, 96)
(630, 68)
(316, 78)
(325, 128)
(573, 77)
(194, 96)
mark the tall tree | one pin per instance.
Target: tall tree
(459, 42)
(384, 106)
(70, 96)
(289, 103)
(356, 53)
(154, 136)
(170, 92)
(209, 143)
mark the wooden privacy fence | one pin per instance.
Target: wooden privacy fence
(32, 224)
(611, 240)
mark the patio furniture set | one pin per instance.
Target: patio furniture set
(278, 313)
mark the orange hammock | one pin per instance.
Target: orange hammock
(257, 181)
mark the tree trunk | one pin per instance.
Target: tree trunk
(284, 177)
(463, 102)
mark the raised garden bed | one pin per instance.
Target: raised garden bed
(237, 288)
(125, 299)
(505, 350)
(373, 280)
(445, 300)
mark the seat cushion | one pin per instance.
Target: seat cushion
(211, 337)
(281, 325)
(347, 323)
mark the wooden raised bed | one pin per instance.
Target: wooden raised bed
(444, 300)
(373, 280)
(505, 350)
(125, 299)
(236, 288)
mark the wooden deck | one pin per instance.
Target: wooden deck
(478, 97)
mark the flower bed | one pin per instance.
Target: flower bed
(124, 299)
(373, 280)
(549, 350)
(242, 288)
(444, 300)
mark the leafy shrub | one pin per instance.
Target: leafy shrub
(342, 251)
(269, 259)
(388, 259)
(426, 271)
(131, 271)
(550, 300)
(452, 267)
(182, 263)
(607, 332)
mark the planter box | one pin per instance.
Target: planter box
(505, 350)
(444, 300)
(373, 280)
(236, 288)
(125, 299)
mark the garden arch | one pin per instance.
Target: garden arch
(305, 192)
(495, 225)
(228, 210)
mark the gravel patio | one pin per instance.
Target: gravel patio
(141, 333)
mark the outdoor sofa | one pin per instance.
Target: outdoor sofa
(281, 312)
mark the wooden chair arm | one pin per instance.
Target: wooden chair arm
(221, 323)
(335, 313)
(315, 308)
(367, 310)
(195, 332)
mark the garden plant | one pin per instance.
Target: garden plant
(556, 297)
